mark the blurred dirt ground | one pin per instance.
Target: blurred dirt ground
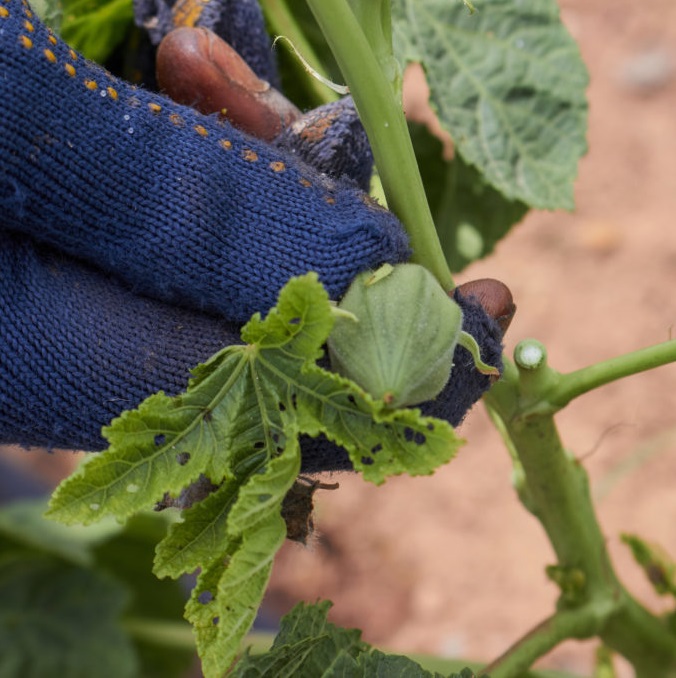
(452, 564)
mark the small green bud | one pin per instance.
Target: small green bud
(400, 348)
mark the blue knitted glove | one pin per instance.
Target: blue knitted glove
(181, 206)
(78, 347)
(162, 201)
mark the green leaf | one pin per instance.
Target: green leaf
(224, 603)
(201, 536)
(470, 215)
(244, 531)
(308, 646)
(108, 550)
(658, 566)
(237, 412)
(509, 85)
(377, 663)
(238, 425)
(61, 619)
(96, 27)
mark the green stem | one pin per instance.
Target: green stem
(539, 641)
(283, 23)
(160, 632)
(582, 381)
(558, 494)
(385, 124)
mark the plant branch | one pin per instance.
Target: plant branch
(582, 381)
(383, 118)
(539, 641)
(557, 488)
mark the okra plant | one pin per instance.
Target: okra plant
(507, 82)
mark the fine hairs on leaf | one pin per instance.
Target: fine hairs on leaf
(237, 425)
(521, 125)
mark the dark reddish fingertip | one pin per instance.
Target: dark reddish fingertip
(197, 68)
(495, 298)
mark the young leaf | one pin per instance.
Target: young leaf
(237, 425)
(200, 538)
(509, 85)
(224, 602)
(236, 412)
(470, 215)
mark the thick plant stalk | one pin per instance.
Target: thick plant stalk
(383, 118)
(557, 488)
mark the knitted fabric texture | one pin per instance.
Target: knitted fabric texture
(78, 348)
(181, 206)
(239, 22)
(110, 195)
(332, 139)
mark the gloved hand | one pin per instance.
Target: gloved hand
(131, 228)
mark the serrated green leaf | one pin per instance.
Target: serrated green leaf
(287, 662)
(224, 603)
(263, 494)
(509, 85)
(308, 646)
(235, 413)
(211, 528)
(162, 446)
(233, 535)
(238, 425)
(305, 621)
(469, 214)
(200, 538)
(50, 627)
(376, 663)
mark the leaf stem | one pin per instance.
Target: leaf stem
(383, 118)
(161, 632)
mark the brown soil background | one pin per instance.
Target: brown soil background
(452, 564)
